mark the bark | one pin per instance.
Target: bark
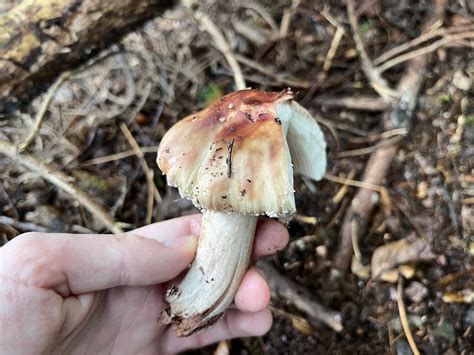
(41, 38)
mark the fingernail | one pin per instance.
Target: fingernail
(185, 241)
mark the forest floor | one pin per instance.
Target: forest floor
(413, 244)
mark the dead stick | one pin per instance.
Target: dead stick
(362, 103)
(153, 192)
(300, 298)
(432, 33)
(399, 116)
(24, 226)
(446, 41)
(62, 181)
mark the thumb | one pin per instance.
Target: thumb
(77, 264)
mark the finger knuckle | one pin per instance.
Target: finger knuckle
(29, 259)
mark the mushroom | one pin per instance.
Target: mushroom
(234, 160)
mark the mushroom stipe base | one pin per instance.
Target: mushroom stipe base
(209, 287)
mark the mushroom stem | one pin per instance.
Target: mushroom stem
(209, 287)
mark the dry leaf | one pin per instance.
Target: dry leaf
(408, 271)
(391, 255)
(448, 279)
(223, 348)
(390, 276)
(302, 325)
(464, 296)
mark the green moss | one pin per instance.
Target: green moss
(210, 93)
(444, 98)
(469, 120)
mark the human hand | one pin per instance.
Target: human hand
(65, 293)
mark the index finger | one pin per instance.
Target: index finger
(270, 235)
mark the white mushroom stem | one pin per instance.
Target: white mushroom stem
(209, 287)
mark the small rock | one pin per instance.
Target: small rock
(402, 348)
(322, 251)
(469, 318)
(445, 330)
(461, 81)
(416, 292)
(414, 320)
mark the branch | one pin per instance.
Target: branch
(300, 298)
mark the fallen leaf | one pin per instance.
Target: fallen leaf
(302, 325)
(223, 348)
(408, 271)
(464, 296)
(401, 252)
(390, 276)
(448, 279)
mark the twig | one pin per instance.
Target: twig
(418, 40)
(399, 116)
(446, 41)
(363, 103)
(355, 239)
(300, 298)
(285, 23)
(404, 319)
(253, 5)
(10, 201)
(372, 73)
(271, 72)
(349, 182)
(62, 181)
(23, 226)
(43, 109)
(333, 48)
(305, 219)
(153, 192)
(370, 150)
(220, 42)
(118, 156)
(343, 190)
(230, 148)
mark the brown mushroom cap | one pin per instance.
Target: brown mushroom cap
(233, 156)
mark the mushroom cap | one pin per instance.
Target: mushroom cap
(233, 156)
